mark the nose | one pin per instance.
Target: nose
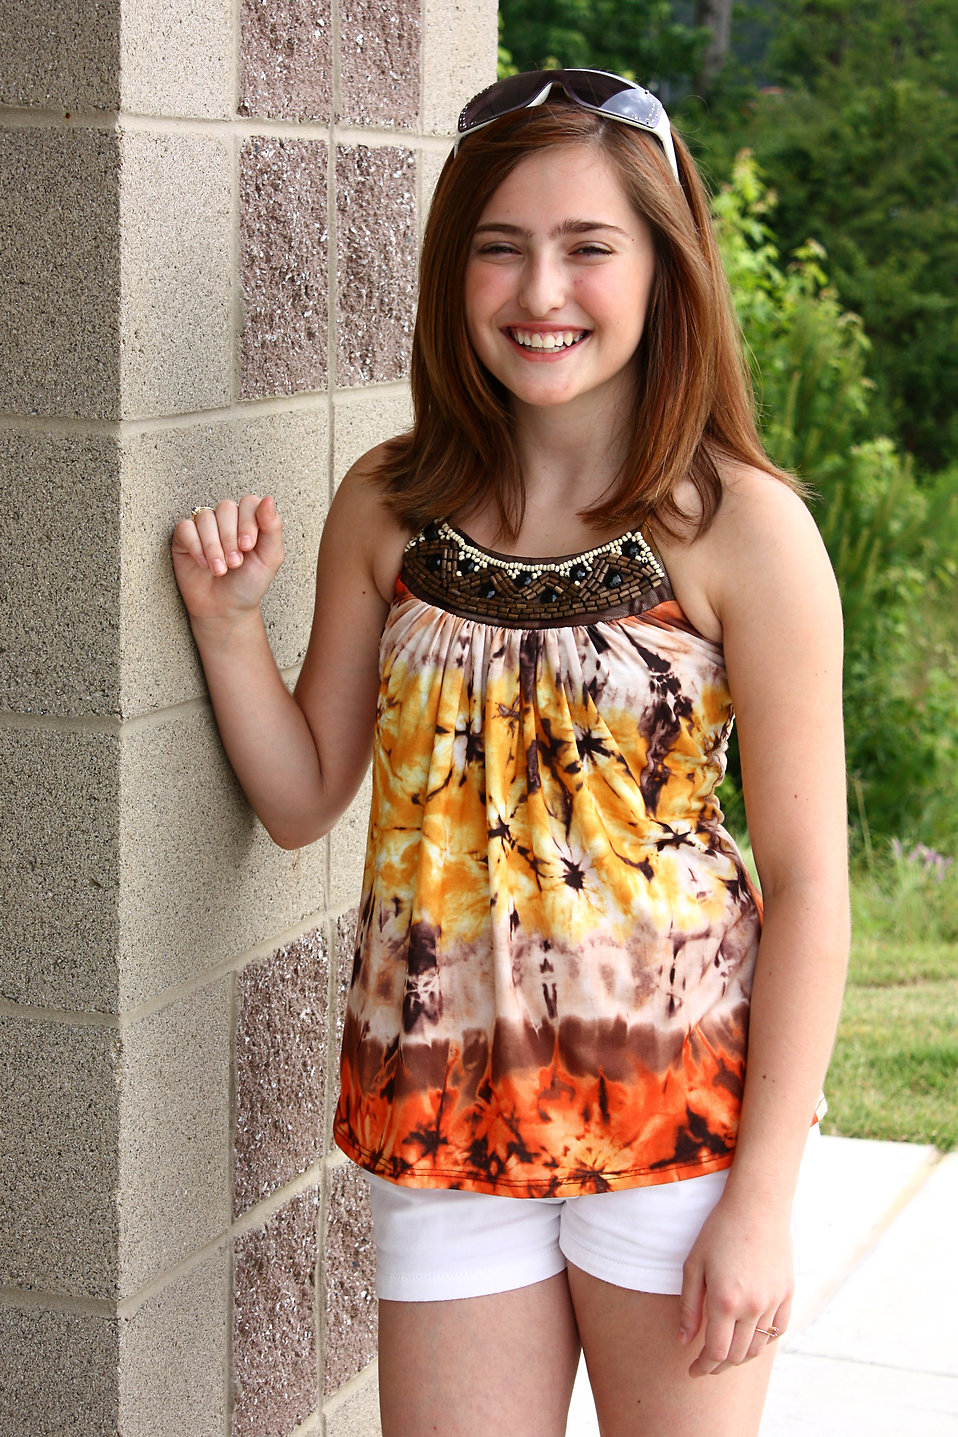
(543, 286)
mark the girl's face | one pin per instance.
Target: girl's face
(557, 284)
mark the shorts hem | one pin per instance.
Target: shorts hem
(664, 1281)
(451, 1286)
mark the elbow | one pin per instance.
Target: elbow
(292, 836)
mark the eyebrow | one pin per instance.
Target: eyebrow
(568, 227)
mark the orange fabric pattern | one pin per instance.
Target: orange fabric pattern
(556, 936)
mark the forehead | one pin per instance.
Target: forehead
(571, 179)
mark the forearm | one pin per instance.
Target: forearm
(796, 998)
(263, 730)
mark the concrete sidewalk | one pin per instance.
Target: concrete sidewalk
(872, 1348)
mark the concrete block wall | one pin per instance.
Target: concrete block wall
(209, 212)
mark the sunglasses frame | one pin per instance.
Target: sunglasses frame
(657, 125)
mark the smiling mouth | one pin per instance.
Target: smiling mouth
(555, 339)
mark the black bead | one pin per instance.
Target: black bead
(613, 579)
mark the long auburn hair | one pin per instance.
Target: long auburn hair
(694, 400)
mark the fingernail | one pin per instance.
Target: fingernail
(246, 541)
(218, 566)
(234, 558)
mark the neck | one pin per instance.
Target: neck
(566, 459)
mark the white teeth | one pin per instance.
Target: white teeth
(561, 339)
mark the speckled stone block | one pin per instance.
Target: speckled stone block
(282, 1051)
(355, 1413)
(60, 55)
(60, 1374)
(177, 58)
(275, 1372)
(176, 345)
(460, 49)
(379, 62)
(59, 281)
(174, 1356)
(347, 849)
(376, 259)
(361, 421)
(286, 59)
(350, 1278)
(166, 472)
(174, 1134)
(59, 596)
(59, 1157)
(202, 880)
(283, 263)
(59, 867)
(430, 168)
(344, 940)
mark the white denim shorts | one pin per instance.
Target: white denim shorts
(434, 1245)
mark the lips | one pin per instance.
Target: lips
(547, 340)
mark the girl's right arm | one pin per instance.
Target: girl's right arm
(300, 757)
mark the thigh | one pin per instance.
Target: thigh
(639, 1370)
(464, 1368)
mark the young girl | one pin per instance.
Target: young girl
(579, 1066)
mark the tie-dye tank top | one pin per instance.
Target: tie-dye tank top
(556, 935)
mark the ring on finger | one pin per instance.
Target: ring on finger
(770, 1333)
(201, 509)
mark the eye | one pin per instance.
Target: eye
(496, 247)
(592, 251)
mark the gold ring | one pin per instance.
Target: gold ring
(770, 1332)
(201, 509)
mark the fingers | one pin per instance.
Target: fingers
(219, 539)
(692, 1301)
(729, 1342)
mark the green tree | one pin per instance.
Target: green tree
(859, 136)
(643, 39)
(892, 542)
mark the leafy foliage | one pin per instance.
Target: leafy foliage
(892, 542)
(859, 134)
(642, 39)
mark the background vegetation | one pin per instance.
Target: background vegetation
(828, 131)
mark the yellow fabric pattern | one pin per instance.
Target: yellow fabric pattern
(556, 936)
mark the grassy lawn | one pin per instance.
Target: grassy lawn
(894, 1073)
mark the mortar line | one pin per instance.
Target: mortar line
(243, 409)
(248, 127)
(38, 1299)
(129, 1017)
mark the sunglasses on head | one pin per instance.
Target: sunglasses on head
(593, 90)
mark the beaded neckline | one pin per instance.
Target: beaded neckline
(620, 577)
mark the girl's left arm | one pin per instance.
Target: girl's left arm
(772, 589)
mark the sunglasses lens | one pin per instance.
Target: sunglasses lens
(511, 94)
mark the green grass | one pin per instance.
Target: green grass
(894, 1072)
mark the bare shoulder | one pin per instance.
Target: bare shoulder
(362, 528)
(764, 546)
(761, 548)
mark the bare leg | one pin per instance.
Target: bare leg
(504, 1363)
(639, 1370)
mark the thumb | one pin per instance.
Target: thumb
(692, 1301)
(270, 541)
